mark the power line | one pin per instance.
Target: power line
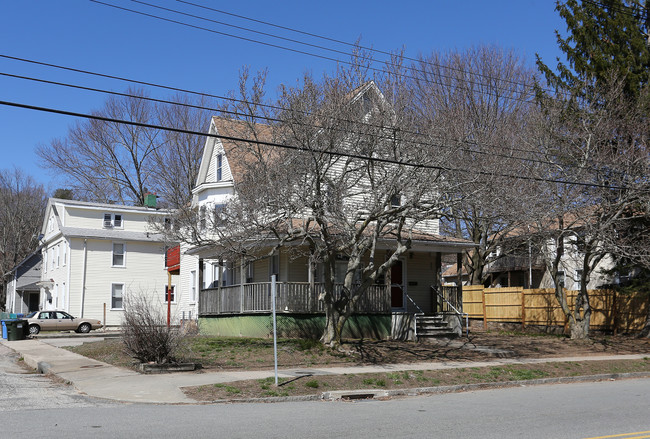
(302, 52)
(271, 119)
(302, 149)
(182, 90)
(340, 52)
(353, 45)
(268, 118)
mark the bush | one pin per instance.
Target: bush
(146, 335)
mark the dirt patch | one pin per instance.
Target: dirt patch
(314, 385)
(257, 354)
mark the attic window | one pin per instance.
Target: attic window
(112, 220)
(219, 167)
(395, 201)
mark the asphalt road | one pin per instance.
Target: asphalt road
(585, 410)
(23, 390)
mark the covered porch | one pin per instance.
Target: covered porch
(241, 291)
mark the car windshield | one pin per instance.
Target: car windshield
(31, 314)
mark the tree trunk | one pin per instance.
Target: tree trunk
(581, 315)
(334, 322)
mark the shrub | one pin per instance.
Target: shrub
(146, 335)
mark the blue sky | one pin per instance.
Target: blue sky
(91, 36)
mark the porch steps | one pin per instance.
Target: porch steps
(433, 326)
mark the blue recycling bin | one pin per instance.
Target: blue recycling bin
(4, 328)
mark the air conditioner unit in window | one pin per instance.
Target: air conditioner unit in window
(107, 223)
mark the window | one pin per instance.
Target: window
(193, 286)
(52, 258)
(58, 255)
(249, 272)
(173, 296)
(218, 214)
(395, 201)
(118, 254)
(112, 220)
(219, 167)
(578, 279)
(117, 293)
(561, 278)
(274, 267)
(216, 275)
(65, 252)
(45, 261)
(202, 219)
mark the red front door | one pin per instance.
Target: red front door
(396, 285)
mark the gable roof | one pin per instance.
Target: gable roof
(235, 156)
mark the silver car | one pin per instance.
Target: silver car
(59, 321)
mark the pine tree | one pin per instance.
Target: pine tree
(605, 38)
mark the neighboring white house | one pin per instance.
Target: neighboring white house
(22, 289)
(94, 254)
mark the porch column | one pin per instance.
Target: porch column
(459, 287)
(242, 278)
(437, 283)
(312, 283)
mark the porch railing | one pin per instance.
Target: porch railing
(451, 303)
(291, 297)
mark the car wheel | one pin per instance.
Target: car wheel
(84, 328)
(34, 329)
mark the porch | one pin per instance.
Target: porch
(291, 297)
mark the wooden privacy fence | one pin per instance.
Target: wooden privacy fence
(610, 310)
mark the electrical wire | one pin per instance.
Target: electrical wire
(340, 52)
(231, 99)
(304, 149)
(277, 46)
(268, 118)
(352, 45)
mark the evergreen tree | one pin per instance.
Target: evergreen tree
(605, 38)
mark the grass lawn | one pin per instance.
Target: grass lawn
(219, 353)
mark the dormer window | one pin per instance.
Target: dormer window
(112, 220)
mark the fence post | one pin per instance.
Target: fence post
(614, 314)
(523, 309)
(484, 309)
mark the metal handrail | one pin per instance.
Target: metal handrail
(458, 313)
(414, 304)
(421, 313)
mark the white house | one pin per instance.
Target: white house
(234, 296)
(94, 255)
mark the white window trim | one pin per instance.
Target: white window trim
(123, 254)
(110, 223)
(111, 295)
(193, 283)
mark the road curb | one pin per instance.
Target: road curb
(379, 394)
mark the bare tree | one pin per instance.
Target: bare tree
(474, 103)
(177, 158)
(22, 206)
(601, 144)
(116, 162)
(346, 188)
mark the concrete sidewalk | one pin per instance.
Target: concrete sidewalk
(102, 380)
